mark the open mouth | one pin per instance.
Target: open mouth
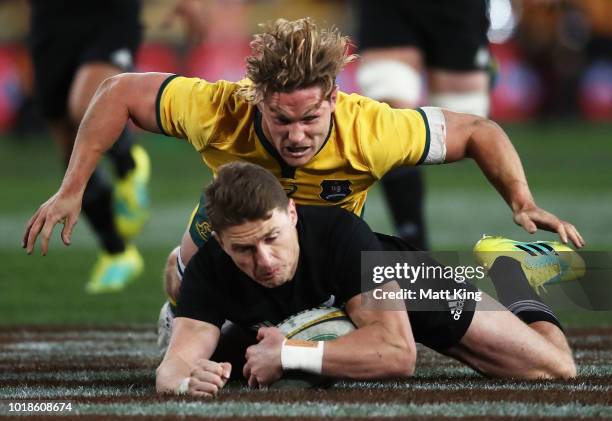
(296, 151)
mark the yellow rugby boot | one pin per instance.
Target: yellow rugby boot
(132, 196)
(544, 262)
(112, 272)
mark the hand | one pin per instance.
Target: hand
(263, 361)
(195, 15)
(58, 209)
(532, 218)
(208, 377)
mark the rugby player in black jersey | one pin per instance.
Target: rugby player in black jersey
(269, 259)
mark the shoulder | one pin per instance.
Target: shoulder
(210, 258)
(329, 221)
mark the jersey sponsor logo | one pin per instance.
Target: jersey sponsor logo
(456, 308)
(335, 190)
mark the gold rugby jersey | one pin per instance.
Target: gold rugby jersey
(366, 139)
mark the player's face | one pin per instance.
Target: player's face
(297, 123)
(266, 250)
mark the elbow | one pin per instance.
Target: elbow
(565, 369)
(403, 361)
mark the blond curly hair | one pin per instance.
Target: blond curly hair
(292, 55)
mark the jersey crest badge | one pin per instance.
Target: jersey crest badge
(335, 190)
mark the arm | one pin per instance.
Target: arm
(381, 346)
(191, 345)
(118, 99)
(486, 142)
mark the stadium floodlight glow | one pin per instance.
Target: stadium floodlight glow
(503, 21)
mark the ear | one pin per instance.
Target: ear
(292, 211)
(333, 98)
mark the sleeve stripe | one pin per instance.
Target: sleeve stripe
(158, 103)
(427, 137)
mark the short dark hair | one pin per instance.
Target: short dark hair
(242, 192)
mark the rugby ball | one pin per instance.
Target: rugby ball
(317, 324)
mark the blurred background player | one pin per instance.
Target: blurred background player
(75, 45)
(399, 41)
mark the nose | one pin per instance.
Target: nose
(263, 257)
(296, 133)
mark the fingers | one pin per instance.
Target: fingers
(45, 235)
(246, 369)
(253, 381)
(208, 378)
(69, 224)
(31, 233)
(538, 218)
(527, 223)
(227, 370)
(201, 388)
(209, 367)
(261, 333)
(573, 235)
(26, 234)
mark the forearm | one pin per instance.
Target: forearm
(370, 352)
(102, 124)
(492, 150)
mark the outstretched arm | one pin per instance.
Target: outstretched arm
(118, 99)
(381, 346)
(486, 142)
(186, 368)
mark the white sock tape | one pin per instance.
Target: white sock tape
(183, 387)
(302, 355)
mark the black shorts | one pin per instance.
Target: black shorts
(444, 322)
(66, 34)
(451, 33)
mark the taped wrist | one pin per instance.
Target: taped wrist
(302, 355)
(183, 387)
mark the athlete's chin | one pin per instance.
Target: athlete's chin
(272, 283)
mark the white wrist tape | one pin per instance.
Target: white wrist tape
(302, 355)
(183, 387)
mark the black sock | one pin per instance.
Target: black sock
(404, 190)
(515, 293)
(98, 207)
(120, 154)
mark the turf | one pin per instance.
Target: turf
(567, 165)
(109, 373)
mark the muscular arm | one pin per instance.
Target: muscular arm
(483, 140)
(192, 344)
(382, 346)
(118, 99)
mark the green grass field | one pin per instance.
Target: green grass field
(568, 166)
